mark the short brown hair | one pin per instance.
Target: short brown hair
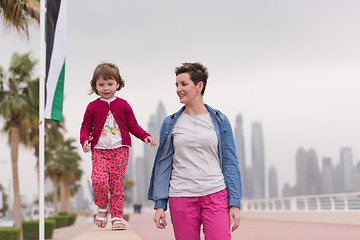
(106, 71)
(197, 71)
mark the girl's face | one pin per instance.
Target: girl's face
(186, 89)
(106, 88)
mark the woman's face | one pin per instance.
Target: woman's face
(186, 89)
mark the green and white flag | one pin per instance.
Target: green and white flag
(56, 35)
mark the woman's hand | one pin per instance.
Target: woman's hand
(87, 145)
(234, 218)
(150, 140)
(159, 218)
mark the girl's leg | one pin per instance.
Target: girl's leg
(118, 164)
(185, 217)
(215, 216)
(99, 177)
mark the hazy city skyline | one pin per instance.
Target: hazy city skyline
(259, 180)
(291, 65)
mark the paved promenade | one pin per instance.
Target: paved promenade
(142, 227)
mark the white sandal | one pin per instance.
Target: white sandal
(115, 221)
(102, 219)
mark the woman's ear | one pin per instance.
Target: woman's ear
(200, 86)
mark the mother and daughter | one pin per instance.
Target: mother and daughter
(195, 172)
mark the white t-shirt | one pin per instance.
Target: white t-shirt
(110, 137)
(196, 163)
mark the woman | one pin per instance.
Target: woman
(195, 167)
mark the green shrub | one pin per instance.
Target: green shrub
(61, 220)
(31, 229)
(72, 218)
(9, 233)
(63, 213)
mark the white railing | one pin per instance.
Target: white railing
(328, 202)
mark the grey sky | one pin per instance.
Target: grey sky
(293, 65)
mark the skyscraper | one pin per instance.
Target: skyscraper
(356, 181)
(130, 174)
(313, 173)
(273, 183)
(258, 160)
(240, 151)
(141, 183)
(301, 167)
(338, 179)
(307, 173)
(327, 177)
(79, 202)
(154, 126)
(143, 165)
(346, 160)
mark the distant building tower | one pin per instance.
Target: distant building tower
(79, 202)
(273, 183)
(258, 160)
(327, 177)
(150, 152)
(313, 173)
(307, 173)
(249, 190)
(301, 167)
(131, 176)
(287, 191)
(240, 152)
(141, 183)
(154, 126)
(356, 181)
(338, 179)
(346, 160)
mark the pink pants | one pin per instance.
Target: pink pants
(188, 213)
(108, 173)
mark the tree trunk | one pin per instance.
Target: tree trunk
(68, 198)
(14, 146)
(62, 196)
(55, 194)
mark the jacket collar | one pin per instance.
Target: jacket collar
(210, 109)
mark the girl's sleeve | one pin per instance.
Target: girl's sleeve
(133, 125)
(86, 126)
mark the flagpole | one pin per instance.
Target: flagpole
(42, 120)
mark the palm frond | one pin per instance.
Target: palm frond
(20, 13)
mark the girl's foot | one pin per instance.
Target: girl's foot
(117, 224)
(101, 218)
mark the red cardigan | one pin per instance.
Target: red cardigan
(95, 117)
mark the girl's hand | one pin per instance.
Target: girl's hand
(234, 218)
(159, 218)
(150, 140)
(87, 145)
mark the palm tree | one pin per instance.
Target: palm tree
(19, 13)
(18, 114)
(53, 168)
(62, 166)
(71, 175)
(53, 171)
(4, 199)
(30, 137)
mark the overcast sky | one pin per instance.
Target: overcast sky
(291, 64)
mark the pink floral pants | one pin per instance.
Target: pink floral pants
(108, 173)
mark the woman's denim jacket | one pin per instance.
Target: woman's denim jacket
(162, 169)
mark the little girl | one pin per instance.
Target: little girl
(105, 131)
